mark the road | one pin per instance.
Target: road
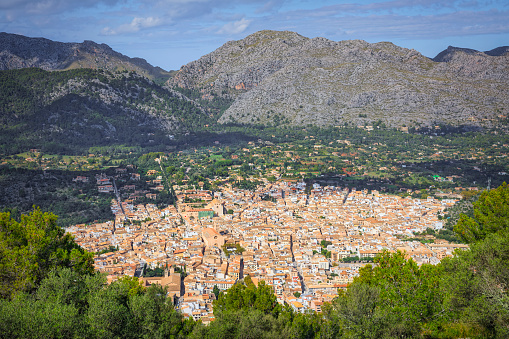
(117, 194)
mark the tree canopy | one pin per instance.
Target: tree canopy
(248, 296)
(491, 214)
(32, 247)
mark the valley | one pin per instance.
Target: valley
(295, 179)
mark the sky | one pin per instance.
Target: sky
(172, 33)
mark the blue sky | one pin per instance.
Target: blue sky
(171, 33)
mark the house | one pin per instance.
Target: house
(211, 238)
(217, 207)
(103, 181)
(171, 280)
(316, 305)
(105, 188)
(298, 307)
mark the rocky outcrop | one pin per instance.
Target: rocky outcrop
(17, 51)
(283, 76)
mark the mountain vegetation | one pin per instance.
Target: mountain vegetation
(68, 112)
(18, 51)
(55, 191)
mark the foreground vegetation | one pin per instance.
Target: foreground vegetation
(49, 290)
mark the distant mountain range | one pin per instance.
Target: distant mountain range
(275, 77)
(18, 51)
(451, 52)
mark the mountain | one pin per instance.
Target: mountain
(273, 77)
(452, 53)
(499, 51)
(70, 111)
(282, 77)
(17, 51)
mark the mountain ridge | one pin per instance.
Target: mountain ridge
(18, 51)
(448, 54)
(283, 76)
(70, 111)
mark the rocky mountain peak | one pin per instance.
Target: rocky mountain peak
(283, 76)
(451, 52)
(242, 65)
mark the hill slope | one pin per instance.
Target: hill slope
(278, 77)
(69, 111)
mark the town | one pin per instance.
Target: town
(305, 242)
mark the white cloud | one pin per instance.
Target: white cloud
(200, 26)
(235, 27)
(135, 25)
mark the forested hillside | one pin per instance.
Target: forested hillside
(69, 111)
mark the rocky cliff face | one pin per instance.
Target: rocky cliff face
(17, 51)
(283, 76)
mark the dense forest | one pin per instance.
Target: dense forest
(74, 203)
(48, 289)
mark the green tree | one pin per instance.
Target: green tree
(476, 282)
(356, 314)
(25, 317)
(408, 296)
(133, 285)
(72, 305)
(240, 296)
(108, 314)
(248, 281)
(216, 291)
(154, 315)
(243, 323)
(306, 325)
(491, 214)
(32, 247)
(55, 310)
